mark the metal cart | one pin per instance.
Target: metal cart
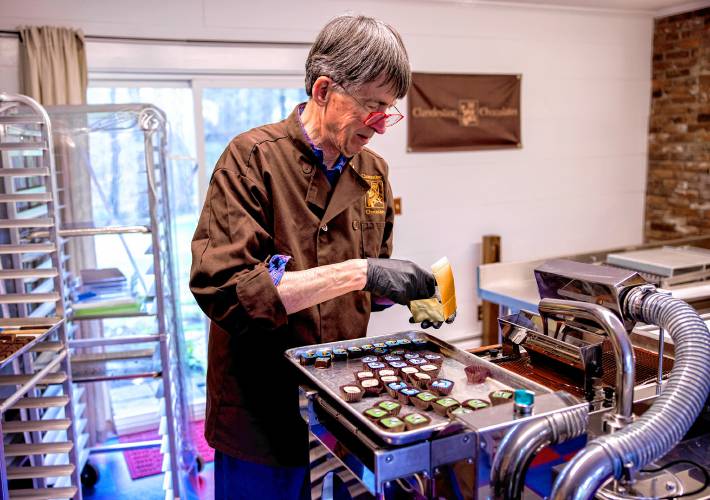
(39, 450)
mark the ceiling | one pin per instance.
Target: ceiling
(655, 7)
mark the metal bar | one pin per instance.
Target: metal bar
(131, 339)
(22, 146)
(9, 402)
(19, 198)
(138, 445)
(31, 222)
(27, 248)
(7, 274)
(24, 172)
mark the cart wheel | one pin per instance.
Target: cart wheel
(89, 475)
(199, 463)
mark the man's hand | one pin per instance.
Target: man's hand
(399, 280)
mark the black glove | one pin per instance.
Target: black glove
(436, 324)
(399, 280)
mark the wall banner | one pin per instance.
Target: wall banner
(454, 112)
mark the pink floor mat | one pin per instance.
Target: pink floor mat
(149, 461)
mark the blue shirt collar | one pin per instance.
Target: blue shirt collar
(339, 163)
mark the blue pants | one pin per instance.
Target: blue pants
(236, 479)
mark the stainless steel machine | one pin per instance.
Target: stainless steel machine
(586, 365)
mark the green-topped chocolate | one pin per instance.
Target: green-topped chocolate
(443, 405)
(392, 424)
(375, 413)
(501, 396)
(415, 420)
(475, 404)
(391, 407)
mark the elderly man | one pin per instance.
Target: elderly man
(292, 249)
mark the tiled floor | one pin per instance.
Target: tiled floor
(115, 483)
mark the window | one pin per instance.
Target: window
(203, 116)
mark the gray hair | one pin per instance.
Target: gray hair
(355, 50)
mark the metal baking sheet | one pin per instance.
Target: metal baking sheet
(340, 373)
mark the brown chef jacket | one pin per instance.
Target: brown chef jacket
(268, 196)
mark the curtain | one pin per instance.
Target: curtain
(53, 62)
(54, 72)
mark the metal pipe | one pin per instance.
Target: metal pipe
(663, 425)
(519, 446)
(623, 350)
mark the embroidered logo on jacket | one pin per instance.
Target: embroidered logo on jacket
(375, 197)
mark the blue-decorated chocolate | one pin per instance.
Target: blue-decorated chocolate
(434, 358)
(441, 386)
(404, 342)
(398, 365)
(419, 343)
(411, 355)
(398, 352)
(376, 366)
(417, 361)
(379, 351)
(367, 347)
(340, 354)
(391, 343)
(394, 387)
(404, 395)
(369, 359)
(381, 345)
(324, 353)
(307, 357)
(354, 351)
(390, 357)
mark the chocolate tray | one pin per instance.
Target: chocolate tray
(329, 380)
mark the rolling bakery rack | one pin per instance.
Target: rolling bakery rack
(154, 350)
(39, 450)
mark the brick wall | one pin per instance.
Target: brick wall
(678, 186)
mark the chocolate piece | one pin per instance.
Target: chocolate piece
(436, 359)
(404, 342)
(501, 396)
(411, 355)
(371, 386)
(376, 367)
(389, 358)
(430, 369)
(360, 376)
(379, 345)
(398, 365)
(369, 359)
(417, 361)
(391, 407)
(419, 343)
(367, 348)
(354, 352)
(388, 379)
(340, 354)
(415, 421)
(421, 380)
(375, 413)
(391, 343)
(398, 352)
(351, 393)
(475, 404)
(394, 387)
(307, 357)
(386, 372)
(324, 353)
(408, 371)
(322, 362)
(441, 386)
(461, 410)
(476, 374)
(405, 394)
(379, 351)
(424, 399)
(392, 424)
(444, 405)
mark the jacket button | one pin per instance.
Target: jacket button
(324, 227)
(307, 169)
(356, 225)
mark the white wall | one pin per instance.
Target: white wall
(576, 185)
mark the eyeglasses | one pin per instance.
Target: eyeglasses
(375, 117)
